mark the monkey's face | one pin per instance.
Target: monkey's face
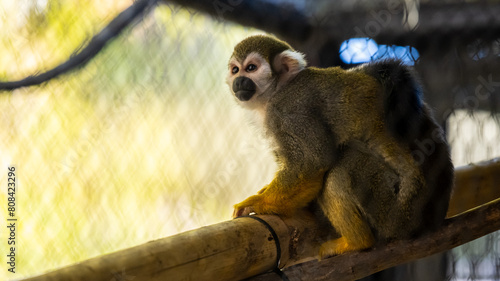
(250, 79)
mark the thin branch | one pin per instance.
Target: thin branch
(311, 32)
(97, 43)
(280, 18)
(341, 20)
(259, 13)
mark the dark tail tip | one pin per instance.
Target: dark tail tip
(402, 96)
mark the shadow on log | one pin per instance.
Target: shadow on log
(246, 247)
(456, 231)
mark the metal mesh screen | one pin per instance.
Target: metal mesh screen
(145, 141)
(142, 143)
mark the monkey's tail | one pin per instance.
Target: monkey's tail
(402, 97)
(410, 121)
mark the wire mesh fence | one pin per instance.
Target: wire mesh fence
(142, 143)
(145, 141)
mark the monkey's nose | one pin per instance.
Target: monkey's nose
(244, 88)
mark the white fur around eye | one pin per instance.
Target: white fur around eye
(255, 58)
(262, 76)
(229, 77)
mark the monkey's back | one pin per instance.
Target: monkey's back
(381, 96)
(411, 122)
(349, 102)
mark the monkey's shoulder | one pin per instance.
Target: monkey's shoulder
(327, 80)
(331, 74)
(318, 89)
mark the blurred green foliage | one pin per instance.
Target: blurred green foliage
(143, 142)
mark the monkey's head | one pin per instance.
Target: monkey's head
(259, 66)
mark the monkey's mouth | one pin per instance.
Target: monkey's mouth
(244, 95)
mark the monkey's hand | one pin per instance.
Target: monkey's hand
(245, 208)
(262, 190)
(278, 198)
(261, 203)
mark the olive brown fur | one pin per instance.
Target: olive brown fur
(267, 46)
(324, 123)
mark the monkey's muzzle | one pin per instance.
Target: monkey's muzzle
(244, 88)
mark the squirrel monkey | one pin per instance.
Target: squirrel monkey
(325, 124)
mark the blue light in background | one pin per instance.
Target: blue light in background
(361, 50)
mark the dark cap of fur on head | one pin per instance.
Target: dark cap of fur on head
(267, 46)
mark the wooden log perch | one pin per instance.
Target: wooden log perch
(475, 184)
(245, 247)
(456, 231)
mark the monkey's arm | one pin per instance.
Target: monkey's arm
(305, 152)
(283, 196)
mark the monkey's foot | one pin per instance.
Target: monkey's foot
(340, 246)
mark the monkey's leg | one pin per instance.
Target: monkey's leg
(400, 159)
(339, 205)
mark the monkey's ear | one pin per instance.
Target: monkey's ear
(288, 63)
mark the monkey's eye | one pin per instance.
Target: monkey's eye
(235, 70)
(251, 67)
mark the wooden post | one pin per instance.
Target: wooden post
(245, 247)
(475, 184)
